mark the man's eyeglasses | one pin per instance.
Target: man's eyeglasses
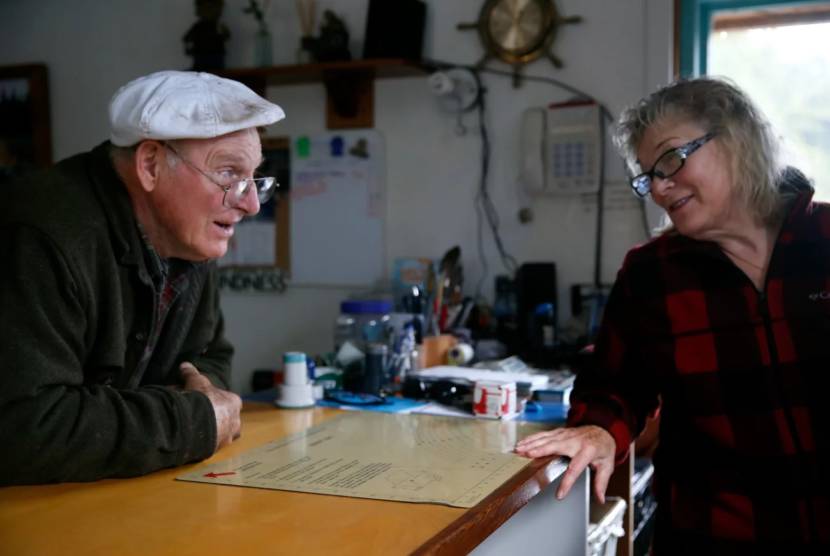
(669, 163)
(235, 188)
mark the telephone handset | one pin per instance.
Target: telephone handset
(560, 148)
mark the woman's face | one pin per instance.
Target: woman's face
(700, 199)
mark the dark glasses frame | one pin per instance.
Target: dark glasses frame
(641, 183)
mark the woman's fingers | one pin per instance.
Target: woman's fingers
(602, 474)
(562, 441)
(541, 444)
(586, 445)
(575, 468)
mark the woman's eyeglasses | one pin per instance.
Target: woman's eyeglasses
(669, 163)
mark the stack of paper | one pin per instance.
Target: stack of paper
(535, 380)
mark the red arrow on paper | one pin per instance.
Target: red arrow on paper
(213, 475)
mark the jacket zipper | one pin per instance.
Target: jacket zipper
(785, 406)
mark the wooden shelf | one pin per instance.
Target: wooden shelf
(349, 85)
(312, 73)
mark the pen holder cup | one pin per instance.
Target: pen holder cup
(368, 376)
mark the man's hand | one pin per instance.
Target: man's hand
(587, 445)
(226, 405)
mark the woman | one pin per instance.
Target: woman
(724, 320)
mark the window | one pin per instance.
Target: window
(779, 52)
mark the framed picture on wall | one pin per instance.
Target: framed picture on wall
(277, 154)
(259, 257)
(25, 137)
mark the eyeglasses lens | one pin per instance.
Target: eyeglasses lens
(669, 164)
(264, 189)
(641, 185)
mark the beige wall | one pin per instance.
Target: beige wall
(620, 51)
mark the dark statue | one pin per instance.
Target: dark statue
(205, 40)
(333, 43)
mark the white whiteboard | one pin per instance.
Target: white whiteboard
(338, 208)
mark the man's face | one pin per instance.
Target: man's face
(188, 208)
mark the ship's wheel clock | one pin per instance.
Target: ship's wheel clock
(518, 31)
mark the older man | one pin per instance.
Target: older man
(113, 361)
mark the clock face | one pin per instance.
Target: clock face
(518, 31)
(517, 26)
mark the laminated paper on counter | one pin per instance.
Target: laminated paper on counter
(408, 458)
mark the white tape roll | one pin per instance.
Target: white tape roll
(460, 354)
(294, 396)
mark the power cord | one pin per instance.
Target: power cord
(485, 204)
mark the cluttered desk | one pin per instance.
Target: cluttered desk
(410, 477)
(158, 514)
(306, 478)
(319, 480)
(374, 369)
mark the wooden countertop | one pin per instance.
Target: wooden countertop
(155, 514)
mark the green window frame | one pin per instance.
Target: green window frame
(696, 21)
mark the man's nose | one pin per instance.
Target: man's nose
(249, 203)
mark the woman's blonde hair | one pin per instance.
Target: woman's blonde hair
(717, 106)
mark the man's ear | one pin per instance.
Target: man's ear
(148, 161)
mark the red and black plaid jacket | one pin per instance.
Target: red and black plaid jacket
(743, 462)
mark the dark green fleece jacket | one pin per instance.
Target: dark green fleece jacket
(82, 395)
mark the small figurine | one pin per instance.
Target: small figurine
(333, 43)
(360, 149)
(205, 40)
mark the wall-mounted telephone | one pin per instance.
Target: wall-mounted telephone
(561, 148)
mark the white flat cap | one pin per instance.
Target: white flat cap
(185, 105)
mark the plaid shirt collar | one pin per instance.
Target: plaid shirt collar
(164, 272)
(796, 188)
